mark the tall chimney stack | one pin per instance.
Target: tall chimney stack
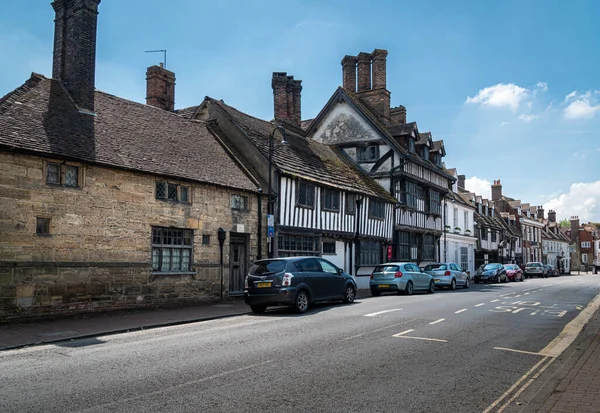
(287, 97)
(160, 88)
(74, 59)
(398, 115)
(540, 213)
(552, 216)
(496, 191)
(364, 71)
(575, 229)
(349, 73)
(461, 182)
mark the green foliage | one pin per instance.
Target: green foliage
(565, 223)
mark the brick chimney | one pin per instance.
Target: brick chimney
(461, 182)
(286, 97)
(74, 59)
(160, 88)
(398, 115)
(496, 191)
(364, 71)
(574, 229)
(552, 216)
(378, 68)
(540, 213)
(349, 73)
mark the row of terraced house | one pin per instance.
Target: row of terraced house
(108, 203)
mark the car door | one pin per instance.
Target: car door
(335, 281)
(459, 274)
(314, 277)
(417, 276)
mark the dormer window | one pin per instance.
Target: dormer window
(368, 154)
(426, 153)
(411, 144)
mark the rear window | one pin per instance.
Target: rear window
(432, 267)
(510, 267)
(491, 267)
(534, 264)
(386, 268)
(267, 267)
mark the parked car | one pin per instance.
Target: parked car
(491, 272)
(552, 271)
(513, 272)
(448, 274)
(296, 282)
(400, 277)
(535, 269)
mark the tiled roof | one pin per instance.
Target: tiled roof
(305, 124)
(403, 128)
(304, 157)
(40, 117)
(424, 137)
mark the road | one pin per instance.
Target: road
(475, 350)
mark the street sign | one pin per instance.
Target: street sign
(270, 225)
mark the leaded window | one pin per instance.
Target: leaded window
(368, 154)
(464, 258)
(42, 226)
(493, 236)
(62, 174)
(331, 199)
(329, 247)
(298, 245)
(53, 173)
(172, 192)
(409, 193)
(376, 209)
(428, 247)
(403, 245)
(239, 202)
(370, 253)
(484, 232)
(171, 250)
(350, 204)
(435, 205)
(306, 195)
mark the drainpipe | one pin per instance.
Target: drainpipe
(259, 233)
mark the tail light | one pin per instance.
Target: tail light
(287, 279)
(398, 274)
(371, 277)
(447, 273)
(246, 283)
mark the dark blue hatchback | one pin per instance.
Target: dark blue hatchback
(296, 282)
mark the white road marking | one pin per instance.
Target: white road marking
(402, 333)
(517, 296)
(504, 295)
(424, 338)
(479, 305)
(526, 294)
(382, 312)
(461, 311)
(493, 301)
(517, 351)
(438, 321)
(373, 331)
(579, 307)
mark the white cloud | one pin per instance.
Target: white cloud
(543, 86)
(527, 118)
(479, 186)
(500, 95)
(582, 200)
(581, 106)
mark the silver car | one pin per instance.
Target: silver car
(448, 274)
(535, 269)
(400, 277)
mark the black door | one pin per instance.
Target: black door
(237, 265)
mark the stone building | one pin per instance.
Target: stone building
(108, 204)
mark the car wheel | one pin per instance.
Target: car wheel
(350, 294)
(258, 309)
(498, 280)
(431, 289)
(505, 278)
(375, 293)
(301, 302)
(409, 288)
(453, 284)
(467, 283)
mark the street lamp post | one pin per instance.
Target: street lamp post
(270, 218)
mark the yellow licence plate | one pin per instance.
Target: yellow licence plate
(437, 281)
(384, 286)
(263, 285)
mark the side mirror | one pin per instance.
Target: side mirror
(340, 271)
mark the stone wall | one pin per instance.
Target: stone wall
(98, 254)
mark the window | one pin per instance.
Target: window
(484, 232)
(296, 245)
(464, 257)
(466, 222)
(411, 144)
(205, 239)
(239, 202)
(331, 199)
(409, 193)
(493, 236)
(425, 153)
(62, 174)
(428, 247)
(370, 253)
(42, 226)
(368, 154)
(329, 247)
(586, 244)
(404, 245)
(308, 265)
(306, 195)
(584, 258)
(376, 209)
(327, 266)
(455, 217)
(171, 250)
(350, 204)
(172, 192)
(435, 205)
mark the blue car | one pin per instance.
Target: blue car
(493, 272)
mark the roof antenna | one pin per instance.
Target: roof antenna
(164, 52)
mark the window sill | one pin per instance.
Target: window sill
(170, 201)
(305, 206)
(174, 273)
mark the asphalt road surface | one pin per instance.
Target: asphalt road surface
(478, 350)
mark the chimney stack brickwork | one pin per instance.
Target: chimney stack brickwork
(349, 73)
(552, 216)
(74, 59)
(378, 58)
(461, 182)
(160, 88)
(287, 99)
(297, 101)
(364, 71)
(540, 213)
(496, 191)
(398, 115)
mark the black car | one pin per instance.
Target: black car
(296, 282)
(491, 272)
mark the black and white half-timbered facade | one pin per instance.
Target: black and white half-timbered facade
(322, 204)
(359, 122)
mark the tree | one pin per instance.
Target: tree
(564, 223)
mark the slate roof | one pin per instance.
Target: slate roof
(40, 117)
(487, 221)
(424, 137)
(304, 157)
(403, 128)
(305, 124)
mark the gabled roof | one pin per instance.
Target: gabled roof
(303, 157)
(40, 117)
(404, 129)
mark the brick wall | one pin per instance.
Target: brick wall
(98, 255)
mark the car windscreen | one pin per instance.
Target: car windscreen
(490, 267)
(267, 267)
(510, 267)
(386, 268)
(433, 267)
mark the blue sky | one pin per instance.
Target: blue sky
(512, 87)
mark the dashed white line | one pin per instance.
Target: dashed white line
(526, 294)
(402, 333)
(479, 305)
(438, 321)
(461, 311)
(382, 312)
(517, 296)
(494, 301)
(424, 338)
(517, 351)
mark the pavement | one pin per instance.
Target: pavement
(572, 388)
